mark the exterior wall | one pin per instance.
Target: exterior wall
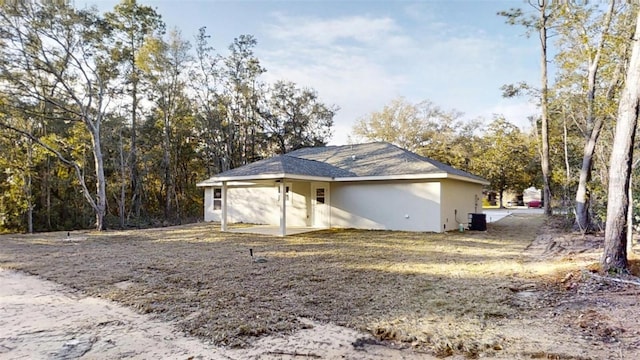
(248, 204)
(459, 199)
(259, 205)
(298, 212)
(209, 214)
(385, 205)
(388, 205)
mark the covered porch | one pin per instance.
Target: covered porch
(278, 205)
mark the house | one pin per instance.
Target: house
(365, 186)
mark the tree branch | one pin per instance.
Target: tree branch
(61, 157)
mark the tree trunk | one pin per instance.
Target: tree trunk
(135, 187)
(28, 185)
(100, 206)
(544, 104)
(594, 126)
(630, 215)
(47, 187)
(123, 183)
(583, 218)
(166, 159)
(614, 258)
(567, 166)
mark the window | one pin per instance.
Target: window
(320, 195)
(217, 198)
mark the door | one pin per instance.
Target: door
(320, 205)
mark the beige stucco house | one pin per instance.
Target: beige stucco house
(366, 186)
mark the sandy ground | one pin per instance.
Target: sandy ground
(505, 293)
(43, 320)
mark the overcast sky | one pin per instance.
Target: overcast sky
(359, 55)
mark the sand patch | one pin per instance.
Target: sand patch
(40, 319)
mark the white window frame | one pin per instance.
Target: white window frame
(217, 191)
(324, 195)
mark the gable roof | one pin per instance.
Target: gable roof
(370, 161)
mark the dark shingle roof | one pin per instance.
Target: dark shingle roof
(359, 160)
(376, 159)
(286, 164)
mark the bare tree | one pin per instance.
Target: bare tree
(541, 25)
(164, 63)
(133, 25)
(614, 258)
(51, 55)
(594, 122)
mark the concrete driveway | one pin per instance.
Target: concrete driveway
(494, 215)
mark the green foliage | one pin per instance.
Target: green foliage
(503, 154)
(507, 156)
(112, 95)
(294, 118)
(424, 128)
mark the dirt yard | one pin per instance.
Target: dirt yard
(522, 289)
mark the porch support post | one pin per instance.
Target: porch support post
(223, 218)
(283, 208)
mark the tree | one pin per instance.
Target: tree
(295, 118)
(400, 123)
(506, 156)
(106, 102)
(133, 24)
(16, 174)
(209, 103)
(588, 37)
(241, 93)
(614, 257)
(541, 25)
(165, 64)
(52, 55)
(424, 128)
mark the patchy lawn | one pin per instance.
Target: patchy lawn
(505, 292)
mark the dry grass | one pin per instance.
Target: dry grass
(442, 293)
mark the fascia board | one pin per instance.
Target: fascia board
(411, 177)
(214, 181)
(393, 177)
(237, 180)
(468, 179)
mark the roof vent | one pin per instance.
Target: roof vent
(353, 157)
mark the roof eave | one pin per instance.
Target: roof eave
(440, 175)
(469, 179)
(393, 177)
(216, 180)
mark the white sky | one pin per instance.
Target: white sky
(359, 54)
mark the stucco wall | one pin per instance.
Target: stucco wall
(458, 200)
(386, 205)
(298, 212)
(259, 205)
(209, 214)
